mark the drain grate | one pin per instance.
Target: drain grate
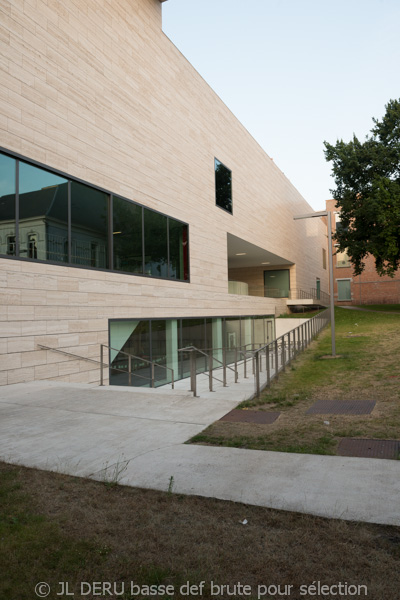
(251, 416)
(342, 407)
(369, 448)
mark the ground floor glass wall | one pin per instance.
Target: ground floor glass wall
(161, 341)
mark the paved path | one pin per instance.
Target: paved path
(138, 437)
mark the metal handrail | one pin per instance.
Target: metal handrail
(129, 371)
(304, 333)
(103, 364)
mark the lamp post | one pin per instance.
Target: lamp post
(328, 214)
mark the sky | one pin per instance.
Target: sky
(295, 72)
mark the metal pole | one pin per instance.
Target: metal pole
(236, 371)
(224, 366)
(283, 353)
(268, 367)
(101, 364)
(130, 370)
(210, 368)
(332, 300)
(276, 359)
(257, 375)
(289, 357)
(152, 375)
(193, 373)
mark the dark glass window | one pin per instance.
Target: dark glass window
(178, 250)
(89, 223)
(223, 186)
(155, 244)
(43, 214)
(127, 236)
(7, 205)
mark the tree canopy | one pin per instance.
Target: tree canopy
(367, 178)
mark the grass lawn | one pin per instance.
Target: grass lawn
(55, 528)
(384, 307)
(368, 345)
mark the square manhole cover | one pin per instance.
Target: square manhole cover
(369, 448)
(342, 407)
(251, 416)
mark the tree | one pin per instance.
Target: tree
(367, 178)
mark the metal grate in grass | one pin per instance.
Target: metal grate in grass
(369, 448)
(342, 407)
(251, 416)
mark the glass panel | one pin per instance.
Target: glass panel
(344, 289)
(43, 214)
(193, 334)
(127, 236)
(342, 260)
(156, 244)
(246, 326)
(7, 205)
(259, 336)
(269, 330)
(232, 337)
(132, 337)
(89, 219)
(223, 186)
(178, 250)
(277, 283)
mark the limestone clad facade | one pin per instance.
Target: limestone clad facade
(96, 93)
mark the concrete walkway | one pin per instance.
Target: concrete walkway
(137, 437)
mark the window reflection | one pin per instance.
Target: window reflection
(178, 250)
(43, 214)
(223, 186)
(127, 236)
(7, 205)
(89, 223)
(155, 244)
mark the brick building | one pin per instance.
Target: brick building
(367, 288)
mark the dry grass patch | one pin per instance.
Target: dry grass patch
(59, 528)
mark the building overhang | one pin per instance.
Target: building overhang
(243, 254)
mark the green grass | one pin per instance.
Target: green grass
(381, 307)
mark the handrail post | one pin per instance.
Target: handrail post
(257, 374)
(236, 361)
(193, 373)
(210, 370)
(289, 356)
(268, 366)
(283, 353)
(224, 366)
(245, 363)
(276, 359)
(130, 370)
(152, 375)
(101, 364)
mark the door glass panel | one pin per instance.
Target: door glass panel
(193, 334)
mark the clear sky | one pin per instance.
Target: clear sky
(295, 72)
